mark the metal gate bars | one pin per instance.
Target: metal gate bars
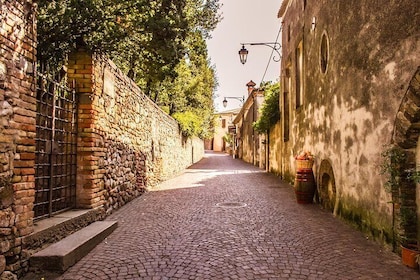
(56, 144)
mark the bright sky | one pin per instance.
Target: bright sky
(244, 21)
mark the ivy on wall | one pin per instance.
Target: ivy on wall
(270, 109)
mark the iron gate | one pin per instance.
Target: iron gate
(56, 143)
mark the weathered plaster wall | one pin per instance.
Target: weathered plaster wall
(249, 143)
(348, 112)
(248, 135)
(275, 139)
(223, 120)
(17, 131)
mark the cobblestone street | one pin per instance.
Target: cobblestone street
(225, 219)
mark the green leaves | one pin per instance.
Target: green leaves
(189, 122)
(148, 37)
(161, 43)
(270, 110)
(393, 167)
(191, 91)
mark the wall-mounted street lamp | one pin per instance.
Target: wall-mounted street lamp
(243, 53)
(241, 99)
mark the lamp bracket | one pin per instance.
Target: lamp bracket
(241, 99)
(273, 45)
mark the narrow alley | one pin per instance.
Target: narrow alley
(225, 219)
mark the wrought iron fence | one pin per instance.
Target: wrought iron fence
(56, 145)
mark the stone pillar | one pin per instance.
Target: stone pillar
(90, 148)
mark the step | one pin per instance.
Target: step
(66, 252)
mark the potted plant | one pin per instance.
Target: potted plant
(410, 255)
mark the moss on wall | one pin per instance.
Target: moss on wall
(374, 224)
(349, 110)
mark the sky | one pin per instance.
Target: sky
(244, 21)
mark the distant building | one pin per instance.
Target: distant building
(224, 130)
(247, 139)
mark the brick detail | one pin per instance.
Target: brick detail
(406, 135)
(17, 129)
(126, 144)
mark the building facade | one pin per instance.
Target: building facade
(248, 141)
(224, 130)
(349, 88)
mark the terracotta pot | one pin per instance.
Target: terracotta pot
(408, 255)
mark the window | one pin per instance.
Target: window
(324, 53)
(223, 123)
(299, 75)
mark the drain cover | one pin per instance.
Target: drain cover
(231, 204)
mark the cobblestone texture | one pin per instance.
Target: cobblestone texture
(180, 232)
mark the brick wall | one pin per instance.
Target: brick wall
(17, 130)
(126, 144)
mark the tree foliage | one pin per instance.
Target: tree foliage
(270, 109)
(192, 89)
(159, 43)
(146, 37)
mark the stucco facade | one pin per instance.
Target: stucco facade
(347, 69)
(222, 129)
(249, 141)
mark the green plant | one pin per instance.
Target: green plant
(393, 167)
(270, 111)
(228, 138)
(413, 175)
(399, 182)
(189, 123)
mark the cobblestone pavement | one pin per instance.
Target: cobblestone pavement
(225, 219)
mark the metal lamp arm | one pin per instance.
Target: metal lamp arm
(272, 45)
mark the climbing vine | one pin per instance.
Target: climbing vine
(270, 110)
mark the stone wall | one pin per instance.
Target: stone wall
(351, 62)
(17, 130)
(126, 143)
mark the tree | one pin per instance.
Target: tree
(146, 37)
(191, 92)
(159, 43)
(270, 110)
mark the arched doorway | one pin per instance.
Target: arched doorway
(406, 136)
(326, 186)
